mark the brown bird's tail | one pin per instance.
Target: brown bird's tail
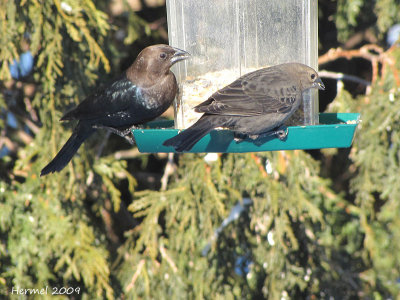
(185, 140)
(81, 133)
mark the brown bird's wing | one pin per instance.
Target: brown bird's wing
(257, 93)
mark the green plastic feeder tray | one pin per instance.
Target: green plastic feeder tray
(336, 130)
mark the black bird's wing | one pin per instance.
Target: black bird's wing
(257, 93)
(115, 100)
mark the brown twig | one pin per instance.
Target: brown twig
(373, 53)
(30, 109)
(25, 138)
(127, 154)
(388, 60)
(257, 160)
(165, 255)
(2, 137)
(32, 126)
(364, 52)
(11, 146)
(170, 168)
(135, 276)
(108, 222)
(370, 52)
(360, 36)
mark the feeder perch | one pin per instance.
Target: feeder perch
(334, 131)
(229, 38)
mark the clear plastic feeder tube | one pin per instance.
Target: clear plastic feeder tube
(229, 38)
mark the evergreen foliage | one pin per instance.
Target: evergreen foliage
(376, 154)
(352, 15)
(285, 224)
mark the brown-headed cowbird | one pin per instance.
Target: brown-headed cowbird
(143, 92)
(254, 105)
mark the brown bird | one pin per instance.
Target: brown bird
(254, 105)
(142, 93)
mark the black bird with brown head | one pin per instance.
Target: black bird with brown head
(142, 93)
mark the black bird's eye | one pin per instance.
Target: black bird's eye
(163, 55)
(312, 76)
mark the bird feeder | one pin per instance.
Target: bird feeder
(227, 39)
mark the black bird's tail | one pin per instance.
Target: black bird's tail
(81, 133)
(185, 140)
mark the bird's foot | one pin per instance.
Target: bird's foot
(281, 133)
(239, 137)
(130, 139)
(125, 133)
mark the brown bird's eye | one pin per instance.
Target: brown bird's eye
(312, 76)
(163, 55)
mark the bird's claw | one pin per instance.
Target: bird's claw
(282, 133)
(122, 133)
(127, 134)
(126, 131)
(130, 139)
(239, 137)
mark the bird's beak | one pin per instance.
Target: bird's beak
(319, 84)
(179, 55)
